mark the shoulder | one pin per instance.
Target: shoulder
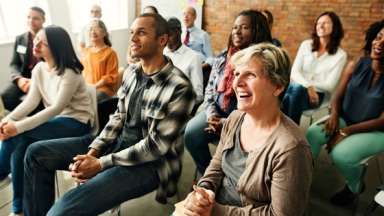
(288, 136)
(190, 52)
(307, 44)
(71, 74)
(341, 53)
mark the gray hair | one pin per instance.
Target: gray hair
(276, 63)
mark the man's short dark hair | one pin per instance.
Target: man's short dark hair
(174, 24)
(159, 23)
(39, 10)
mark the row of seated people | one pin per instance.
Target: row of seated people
(146, 139)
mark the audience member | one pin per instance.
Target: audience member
(354, 130)
(317, 67)
(263, 164)
(150, 9)
(23, 60)
(250, 27)
(58, 83)
(183, 57)
(84, 36)
(139, 149)
(269, 17)
(196, 38)
(100, 62)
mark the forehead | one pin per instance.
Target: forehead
(143, 23)
(253, 65)
(324, 18)
(95, 9)
(241, 20)
(189, 11)
(33, 13)
(381, 31)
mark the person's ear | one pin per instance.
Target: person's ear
(163, 39)
(279, 89)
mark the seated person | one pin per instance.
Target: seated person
(250, 27)
(354, 130)
(196, 38)
(94, 14)
(23, 60)
(139, 149)
(58, 83)
(263, 164)
(184, 58)
(269, 16)
(100, 62)
(317, 67)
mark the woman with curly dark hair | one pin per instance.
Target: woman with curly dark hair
(317, 67)
(354, 130)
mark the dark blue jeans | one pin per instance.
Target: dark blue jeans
(296, 100)
(102, 192)
(196, 141)
(12, 150)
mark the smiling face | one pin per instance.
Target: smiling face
(96, 32)
(144, 42)
(377, 52)
(254, 91)
(35, 20)
(241, 32)
(189, 17)
(40, 46)
(324, 26)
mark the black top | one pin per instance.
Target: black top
(132, 130)
(363, 102)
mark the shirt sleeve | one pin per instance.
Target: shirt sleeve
(30, 102)
(68, 86)
(196, 77)
(207, 49)
(161, 137)
(115, 123)
(297, 67)
(210, 90)
(16, 62)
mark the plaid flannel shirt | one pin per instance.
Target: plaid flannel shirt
(166, 107)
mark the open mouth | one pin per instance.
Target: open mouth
(243, 95)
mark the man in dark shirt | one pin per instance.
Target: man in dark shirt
(23, 60)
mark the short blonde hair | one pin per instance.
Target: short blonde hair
(275, 60)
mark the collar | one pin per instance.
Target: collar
(161, 76)
(191, 29)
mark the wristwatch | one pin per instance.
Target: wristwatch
(342, 133)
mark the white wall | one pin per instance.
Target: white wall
(59, 13)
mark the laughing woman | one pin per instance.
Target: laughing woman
(317, 67)
(56, 82)
(354, 129)
(262, 165)
(250, 27)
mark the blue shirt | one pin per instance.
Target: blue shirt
(200, 42)
(362, 101)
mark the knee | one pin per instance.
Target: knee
(32, 153)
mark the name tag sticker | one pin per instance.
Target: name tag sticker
(21, 49)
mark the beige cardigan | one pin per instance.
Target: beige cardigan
(277, 176)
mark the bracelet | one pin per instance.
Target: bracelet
(342, 133)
